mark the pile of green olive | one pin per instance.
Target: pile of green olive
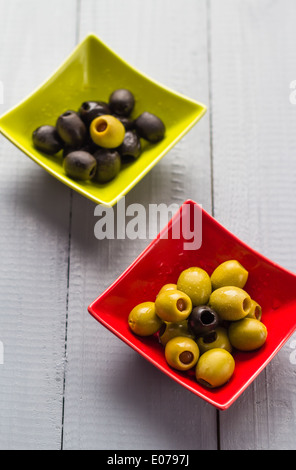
(202, 319)
(100, 137)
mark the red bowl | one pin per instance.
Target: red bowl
(272, 286)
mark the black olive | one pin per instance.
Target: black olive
(89, 110)
(69, 149)
(71, 129)
(122, 102)
(80, 165)
(150, 127)
(126, 121)
(88, 146)
(131, 146)
(47, 140)
(108, 165)
(202, 320)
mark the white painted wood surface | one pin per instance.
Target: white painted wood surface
(254, 181)
(66, 382)
(34, 238)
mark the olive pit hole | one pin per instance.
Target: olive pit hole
(93, 172)
(101, 126)
(257, 312)
(207, 317)
(246, 304)
(181, 305)
(186, 357)
(205, 383)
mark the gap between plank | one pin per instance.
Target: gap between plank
(77, 39)
(209, 44)
(67, 313)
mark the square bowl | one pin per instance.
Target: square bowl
(272, 286)
(92, 72)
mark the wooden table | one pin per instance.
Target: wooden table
(65, 381)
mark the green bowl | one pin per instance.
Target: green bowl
(92, 72)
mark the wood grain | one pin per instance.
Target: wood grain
(254, 141)
(65, 381)
(34, 211)
(114, 399)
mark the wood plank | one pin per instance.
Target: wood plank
(114, 399)
(252, 51)
(34, 210)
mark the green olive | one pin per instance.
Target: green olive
(107, 131)
(173, 306)
(171, 330)
(231, 303)
(167, 287)
(217, 338)
(143, 320)
(229, 273)
(214, 368)
(256, 311)
(196, 283)
(247, 334)
(181, 353)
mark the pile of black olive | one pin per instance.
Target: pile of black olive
(98, 138)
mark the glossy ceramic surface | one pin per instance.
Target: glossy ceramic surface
(161, 263)
(92, 72)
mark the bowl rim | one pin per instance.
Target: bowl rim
(63, 178)
(222, 405)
